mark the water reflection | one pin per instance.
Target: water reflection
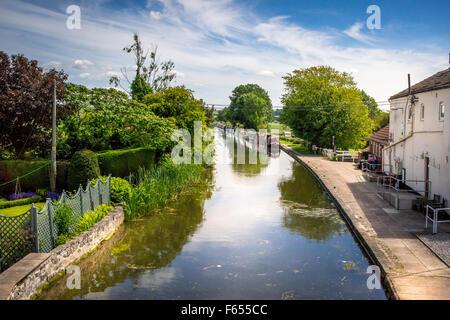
(307, 209)
(245, 161)
(145, 245)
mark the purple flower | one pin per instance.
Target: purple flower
(54, 195)
(21, 195)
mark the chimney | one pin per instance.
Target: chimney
(409, 84)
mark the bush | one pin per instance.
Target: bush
(83, 167)
(120, 163)
(120, 189)
(62, 238)
(21, 202)
(64, 218)
(91, 218)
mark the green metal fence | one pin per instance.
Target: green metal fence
(36, 231)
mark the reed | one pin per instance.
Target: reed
(158, 184)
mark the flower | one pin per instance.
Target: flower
(21, 195)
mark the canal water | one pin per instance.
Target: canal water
(250, 231)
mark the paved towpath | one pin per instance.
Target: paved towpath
(412, 270)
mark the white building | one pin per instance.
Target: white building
(419, 136)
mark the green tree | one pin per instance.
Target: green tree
(179, 105)
(149, 77)
(250, 106)
(140, 88)
(108, 119)
(321, 102)
(379, 117)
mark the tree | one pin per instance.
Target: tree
(379, 117)
(153, 77)
(321, 102)
(107, 119)
(26, 97)
(250, 106)
(178, 104)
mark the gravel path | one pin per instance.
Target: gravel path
(439, 243)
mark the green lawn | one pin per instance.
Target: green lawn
(15, 211)
(297, 145)
(278, 125)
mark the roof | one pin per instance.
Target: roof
(381, 136)
(437, 81)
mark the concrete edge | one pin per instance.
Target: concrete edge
(25, 278)
(362, 241)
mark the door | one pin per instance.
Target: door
(427, 176)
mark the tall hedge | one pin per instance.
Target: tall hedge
(11, 169)
(120, 163)
(83, 167)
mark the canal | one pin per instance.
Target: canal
(250, 231)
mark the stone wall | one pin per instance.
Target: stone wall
(24, 279)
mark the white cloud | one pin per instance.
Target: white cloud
(217, 44)
(155, 15)
(355, 32)
(85, 75)
(266, 73)
(82, 64)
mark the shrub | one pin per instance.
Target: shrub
(120, 189)
(91, 218)
(42, 192)
(21, 202)
(64, 218)
(120, 163)
(62, 238)
(83, 166)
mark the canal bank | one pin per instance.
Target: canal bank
(410, 269)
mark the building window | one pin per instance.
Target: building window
(410, 113)
(441, 111)
(422, 111)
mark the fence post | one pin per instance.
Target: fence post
(50, 221)
(90, 196)
(34, 228)
(109, 189)
(99, 182)
(81, 200)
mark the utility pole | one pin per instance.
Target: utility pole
(53, 152)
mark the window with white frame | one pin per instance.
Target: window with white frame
(441, 110)
(422, 111)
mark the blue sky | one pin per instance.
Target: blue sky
(217, 45)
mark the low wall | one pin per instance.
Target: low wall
(23, 280)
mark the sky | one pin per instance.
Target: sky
(217, 45)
